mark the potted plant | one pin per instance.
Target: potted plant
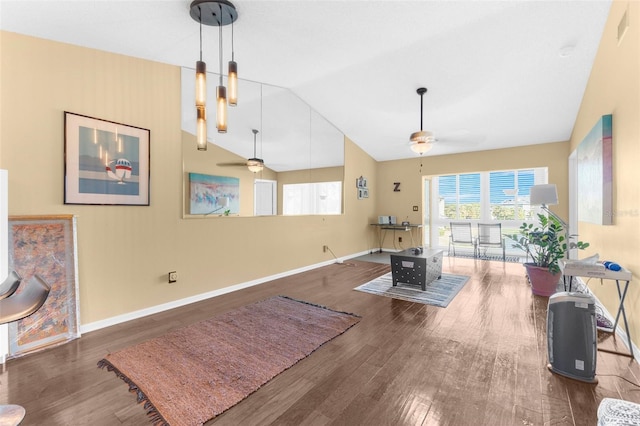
(546, 244)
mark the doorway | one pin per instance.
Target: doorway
(265, 197)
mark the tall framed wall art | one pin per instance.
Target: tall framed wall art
(46, 246)
(595, 174)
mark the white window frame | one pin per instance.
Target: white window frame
(312, 198)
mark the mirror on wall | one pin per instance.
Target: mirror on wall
(300, 149)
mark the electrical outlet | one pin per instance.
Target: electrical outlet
(325, 248)
(173, 276)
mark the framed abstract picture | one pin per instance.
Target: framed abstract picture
(45, 246)
(595, 174)
(217, 195)
(106, 163)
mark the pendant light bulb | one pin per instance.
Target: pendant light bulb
(201, 84)
(221, 91)
(221, 116)
(232, 76)
(201, 129)
(232, 82)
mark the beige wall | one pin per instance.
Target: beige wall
(614, 88)
(410, 172)
(125, 252)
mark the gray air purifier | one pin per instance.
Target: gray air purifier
(571, 336)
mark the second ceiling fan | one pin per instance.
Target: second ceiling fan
(254, 164)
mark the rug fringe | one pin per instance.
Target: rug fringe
(154, 416)
(319, 306)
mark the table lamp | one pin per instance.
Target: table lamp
(545, 195)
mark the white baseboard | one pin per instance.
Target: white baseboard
(97, 325)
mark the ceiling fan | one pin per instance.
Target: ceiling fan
(254, 164)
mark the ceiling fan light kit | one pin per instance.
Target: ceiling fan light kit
(421, 141)
(214, 13)
(255, 165)
(421, 147)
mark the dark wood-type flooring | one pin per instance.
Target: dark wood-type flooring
(480, 361)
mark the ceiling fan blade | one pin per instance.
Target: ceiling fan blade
(232, 164)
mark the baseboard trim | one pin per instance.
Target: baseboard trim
(118, 319)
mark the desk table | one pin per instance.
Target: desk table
(382, 229)
(623, 275)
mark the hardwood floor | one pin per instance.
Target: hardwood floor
(481, 360)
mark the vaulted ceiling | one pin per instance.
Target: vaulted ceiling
(498, 73)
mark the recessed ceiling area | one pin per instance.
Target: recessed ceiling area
(500, 74)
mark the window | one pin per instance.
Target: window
(312, 198)
(460, 196)
(495, 196)
(509, 194)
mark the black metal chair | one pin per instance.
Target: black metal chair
(15, 307)
(461, 235)
(490, 235)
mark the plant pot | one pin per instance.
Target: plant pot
(543, 282)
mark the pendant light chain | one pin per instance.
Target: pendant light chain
(200, 36)
(261, 128)
(220, 45)
(421, 106)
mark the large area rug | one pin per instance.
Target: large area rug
(190, 375)
(439, 293)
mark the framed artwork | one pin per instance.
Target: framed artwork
(105, 163)
(46, 246)
(363, 190)
(208, 194)
(595, 174)
(361, 182)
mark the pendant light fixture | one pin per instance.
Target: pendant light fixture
(216, 13)
(221, 91)
(255, 164)
(201, 98)
(232, 75)
(421, 141)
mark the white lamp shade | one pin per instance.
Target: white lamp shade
(546, 194)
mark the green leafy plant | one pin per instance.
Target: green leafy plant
(545, 243)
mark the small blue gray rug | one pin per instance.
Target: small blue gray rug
(439, 293)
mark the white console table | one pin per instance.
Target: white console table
(624, 276)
